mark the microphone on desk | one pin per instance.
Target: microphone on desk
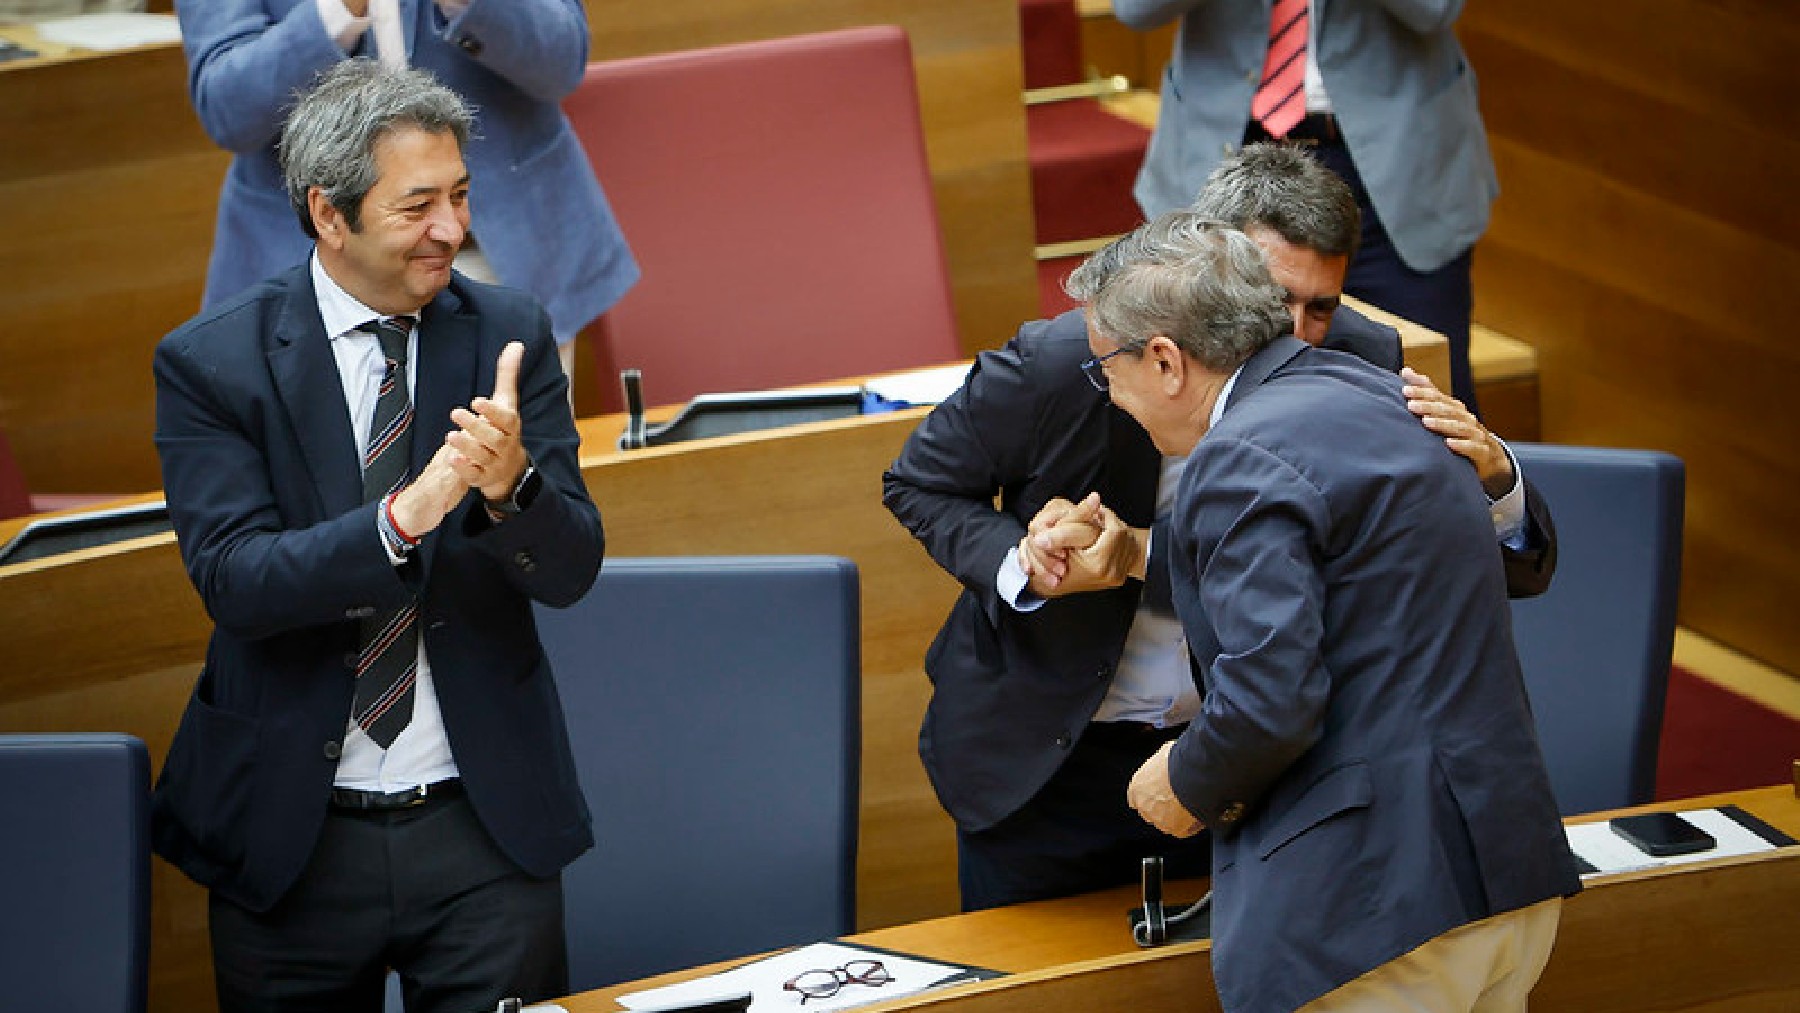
(634, 436)
(1155, 928)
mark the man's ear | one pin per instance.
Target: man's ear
(327, 220)
(1171, 365)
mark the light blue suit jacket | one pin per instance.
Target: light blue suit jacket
(537, 210)
(1403, 92)
(1365, 754)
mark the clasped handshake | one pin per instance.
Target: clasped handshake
(1069, 548)
(484, 452)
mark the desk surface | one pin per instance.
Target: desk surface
(1672, 938)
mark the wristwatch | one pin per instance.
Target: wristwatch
(524, 491)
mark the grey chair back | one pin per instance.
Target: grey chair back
(74, 872)
(1596, 646)
(714, 707)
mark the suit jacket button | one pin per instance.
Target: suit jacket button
(1104, 672)
(333, 750)
(1232, 813)
(1062, 742)
(525, 560)
(470, 45)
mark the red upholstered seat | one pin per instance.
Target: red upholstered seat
(1050, 42)
(1083, 163)
(777, 196)
(15, 497)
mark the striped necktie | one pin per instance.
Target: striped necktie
(387, 665)
(1280, 102)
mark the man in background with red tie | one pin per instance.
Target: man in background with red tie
(1378, 90)
(371, 468)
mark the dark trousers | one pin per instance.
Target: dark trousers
(1442, 300)
(424, 891)
(1077, 834)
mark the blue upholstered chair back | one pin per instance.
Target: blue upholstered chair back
(714, 706)
(1596, 646)
(74, 872)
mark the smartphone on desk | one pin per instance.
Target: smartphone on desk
(1662, 834)
(10, 50)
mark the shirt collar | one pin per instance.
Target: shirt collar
(1218, 407)
(340, 311)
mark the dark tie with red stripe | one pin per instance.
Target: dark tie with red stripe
(388, 664)
(1280, 102)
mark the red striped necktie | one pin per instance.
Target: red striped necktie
(387, 665)
(1280, 102)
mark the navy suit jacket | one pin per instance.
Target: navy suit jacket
(263, 483)
(1012, 691)
(1365, 753)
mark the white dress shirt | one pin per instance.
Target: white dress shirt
(420, 754)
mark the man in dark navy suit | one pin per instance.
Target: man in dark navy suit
(1384, 833)
(371, 468)
(1052, 686)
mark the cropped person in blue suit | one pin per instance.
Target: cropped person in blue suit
(542, 222)
(371, 468)
(1384, 833)
(1388, 102)
(1051, 687)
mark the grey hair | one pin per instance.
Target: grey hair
(329, 138)
(1196, 281)
(1281, 187)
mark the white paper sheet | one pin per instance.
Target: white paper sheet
(111, 31)
(1609, 853)
(763, 980)
(921, 386)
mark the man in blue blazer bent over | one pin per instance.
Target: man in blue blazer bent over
(371, 468)
(1384, 830)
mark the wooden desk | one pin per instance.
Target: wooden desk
(1713, 935)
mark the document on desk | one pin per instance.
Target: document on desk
(1737, 833)
(921, 386)
(111, 31)
(764, 978)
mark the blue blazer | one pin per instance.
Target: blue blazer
(1365, 754)
(536, 208)
(1012, 691)
(1403, 92)
(264, 487)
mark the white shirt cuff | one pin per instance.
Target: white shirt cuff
(1508, 512)
(1011, 583)
(344, 27)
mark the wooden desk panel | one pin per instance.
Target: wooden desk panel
(1714, 936)
(107, 191)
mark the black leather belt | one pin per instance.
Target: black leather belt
(381, 801)
(1316, 128)
(1131, 731)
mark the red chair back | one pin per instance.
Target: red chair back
(777, 197)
